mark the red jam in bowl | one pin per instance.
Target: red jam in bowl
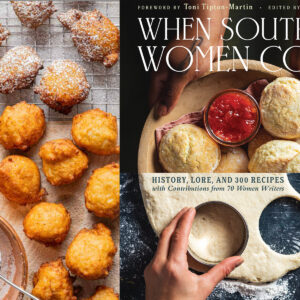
(233, 117)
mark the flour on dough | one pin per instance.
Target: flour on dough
(261, 263)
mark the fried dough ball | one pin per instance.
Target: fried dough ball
(20, 180)
(63, 85)
(4, 33)
(90, 255)
(280, 108)
(96, 131)
(293, 166)
(261, 138)
(102, 194)
(188, 148)
(21, 126)
(63, 162)
(94, 35)
(33, 13)
(273, 156)
(18, 68)
(104, 293)
(233, 160)
(47, 223)
(53, 282)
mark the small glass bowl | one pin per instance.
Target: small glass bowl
(215, 137)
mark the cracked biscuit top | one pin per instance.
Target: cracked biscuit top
(18, 68)
(280, 108)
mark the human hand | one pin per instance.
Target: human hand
(166, 85)
(167, 276)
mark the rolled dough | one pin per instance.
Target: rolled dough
(261, 263)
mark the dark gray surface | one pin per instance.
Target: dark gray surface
(279, 225)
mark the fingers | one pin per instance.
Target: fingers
(180, 237)
(169, 94)
(165, 237)
(221, 270)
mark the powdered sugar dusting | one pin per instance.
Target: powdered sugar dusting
(94, 35)
(63, 85)
(33, 13)
(18, 68)
(4, 33)
(278, 289)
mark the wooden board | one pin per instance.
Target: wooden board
(72, 197)
(194, 97)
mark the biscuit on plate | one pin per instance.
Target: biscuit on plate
(233, 160)
(104, 293)
(102, 194)
(47, 223)
(293, 166)
(96, 131)
(90, 255)
(261, 138)
(53, 281)
(63, 85)
(4, 33)
(20, 180)
(21, 126)
(188, 148)
(273, 157)
(280, 108)
(63, 162)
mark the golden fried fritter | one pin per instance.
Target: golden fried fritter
(18, 68)
(21, 126)
(94, 35)
(53, 282)
(48, 223)
(63, 85)
(20, 180)
(63, 162)
(4, 33)
(90, 255)
(102, 194)
(104, 293)
(96, 131)
(33, 13)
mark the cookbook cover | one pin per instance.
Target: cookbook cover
(59, 150)
(210, 127)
